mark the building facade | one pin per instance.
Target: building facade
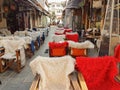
(56, 9)
(19, 15)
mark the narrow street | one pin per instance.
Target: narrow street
(22, 81)
(87, 31)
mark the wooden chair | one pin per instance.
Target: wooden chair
(117, 55)
(2, 67)
(13, 55)
(57, 49)
(10, 61)
(76, 83)
(30, 50)
(99, 72)
(75, 52)
(79, 48)
(72, 36)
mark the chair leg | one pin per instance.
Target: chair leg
(15, 65)
(3, 67)
(0, 82)
(18, 66)
(18, 62)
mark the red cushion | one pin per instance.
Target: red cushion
(58, 44)
(58, 52)
(58, 48)
(78, 52)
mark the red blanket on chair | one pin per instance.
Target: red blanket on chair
(117, 52)
(73, 37)
(99, 72)
(58, 44)
(67, 30)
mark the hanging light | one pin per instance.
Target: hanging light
(6, 8)
(6, 5)
(13, 6)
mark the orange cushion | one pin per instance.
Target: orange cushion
(78, 52)
(58, 52)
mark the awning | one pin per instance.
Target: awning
(74, 4)
(37, 7)
(46, 12)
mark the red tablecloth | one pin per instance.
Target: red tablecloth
(99, 72)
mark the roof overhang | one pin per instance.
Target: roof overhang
(35, 5)
(74, 4)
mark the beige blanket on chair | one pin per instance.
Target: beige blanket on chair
(57, 38)
(54, 72)
(80, 45)
(12, 45)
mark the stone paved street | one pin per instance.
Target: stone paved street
(22, 81)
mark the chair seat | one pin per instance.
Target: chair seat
(9, 56)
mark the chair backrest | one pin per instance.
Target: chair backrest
(72, 36)
(99, 72)
(58, 48)
(117, 52)
(12, 45)
(54, 72)
(79, 49)
(57, 38)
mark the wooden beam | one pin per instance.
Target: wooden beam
(35, 83)
(82, 82)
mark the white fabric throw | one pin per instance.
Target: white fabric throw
(85, 44)
(12, 45)
(54, 72)
(57, 38)
(22, 57)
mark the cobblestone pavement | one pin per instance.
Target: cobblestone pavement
(22, 81)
